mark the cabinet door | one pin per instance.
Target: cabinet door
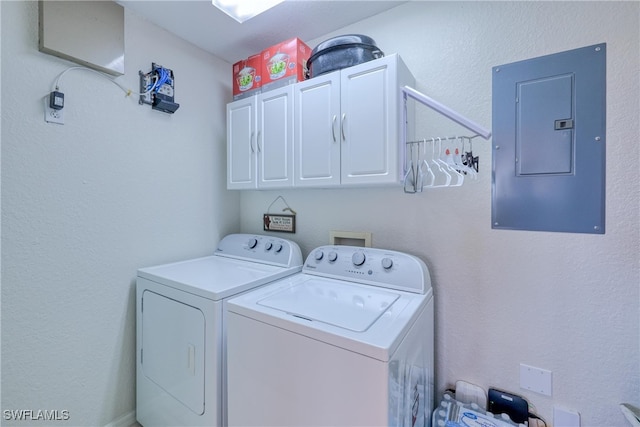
(241, 133)
(369, 94)
(317, 131)
(275, 138)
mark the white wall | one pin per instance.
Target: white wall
(117, 187)
(120, 186)
(564, 302)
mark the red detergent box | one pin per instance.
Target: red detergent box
(284, 63)
(247, 79)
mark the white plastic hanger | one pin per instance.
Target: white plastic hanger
(455, 173)
(425, 168)
(438, 166)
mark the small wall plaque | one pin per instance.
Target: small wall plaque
(284, 223)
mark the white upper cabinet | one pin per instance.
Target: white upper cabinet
(260, 141)
(275, 138)
(241, 143)
(317, 131)
(370, 106)
(338, 129)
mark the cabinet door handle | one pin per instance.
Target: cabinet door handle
(344, 116)
(251, 142)
(333, 127)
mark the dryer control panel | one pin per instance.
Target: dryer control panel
(257, 248)
(372, 266)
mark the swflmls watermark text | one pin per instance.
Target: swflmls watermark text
(35, 415)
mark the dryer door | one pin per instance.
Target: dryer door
(173, 348)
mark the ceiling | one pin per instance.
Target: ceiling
(202, 24)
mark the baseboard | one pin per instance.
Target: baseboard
(127, 420)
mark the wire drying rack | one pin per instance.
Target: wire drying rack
(436, 162)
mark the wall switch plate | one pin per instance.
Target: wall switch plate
(51, 115)
(535, 379)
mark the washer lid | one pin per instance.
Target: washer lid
(360, 318)
(354, 308)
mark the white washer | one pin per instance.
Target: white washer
(181, 377)
(346, 342)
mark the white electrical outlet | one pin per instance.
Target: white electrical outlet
(51, 115)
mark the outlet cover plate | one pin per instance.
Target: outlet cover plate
(51, 115)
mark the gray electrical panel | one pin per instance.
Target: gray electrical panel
(549, 140)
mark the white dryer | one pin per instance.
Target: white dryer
(181, 377)
(346, 342)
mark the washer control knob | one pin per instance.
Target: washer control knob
(253, 242)
(332, 256)
(268, 246)
(358, 258)
(278, 247)
(387, 263)
(318, 255)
